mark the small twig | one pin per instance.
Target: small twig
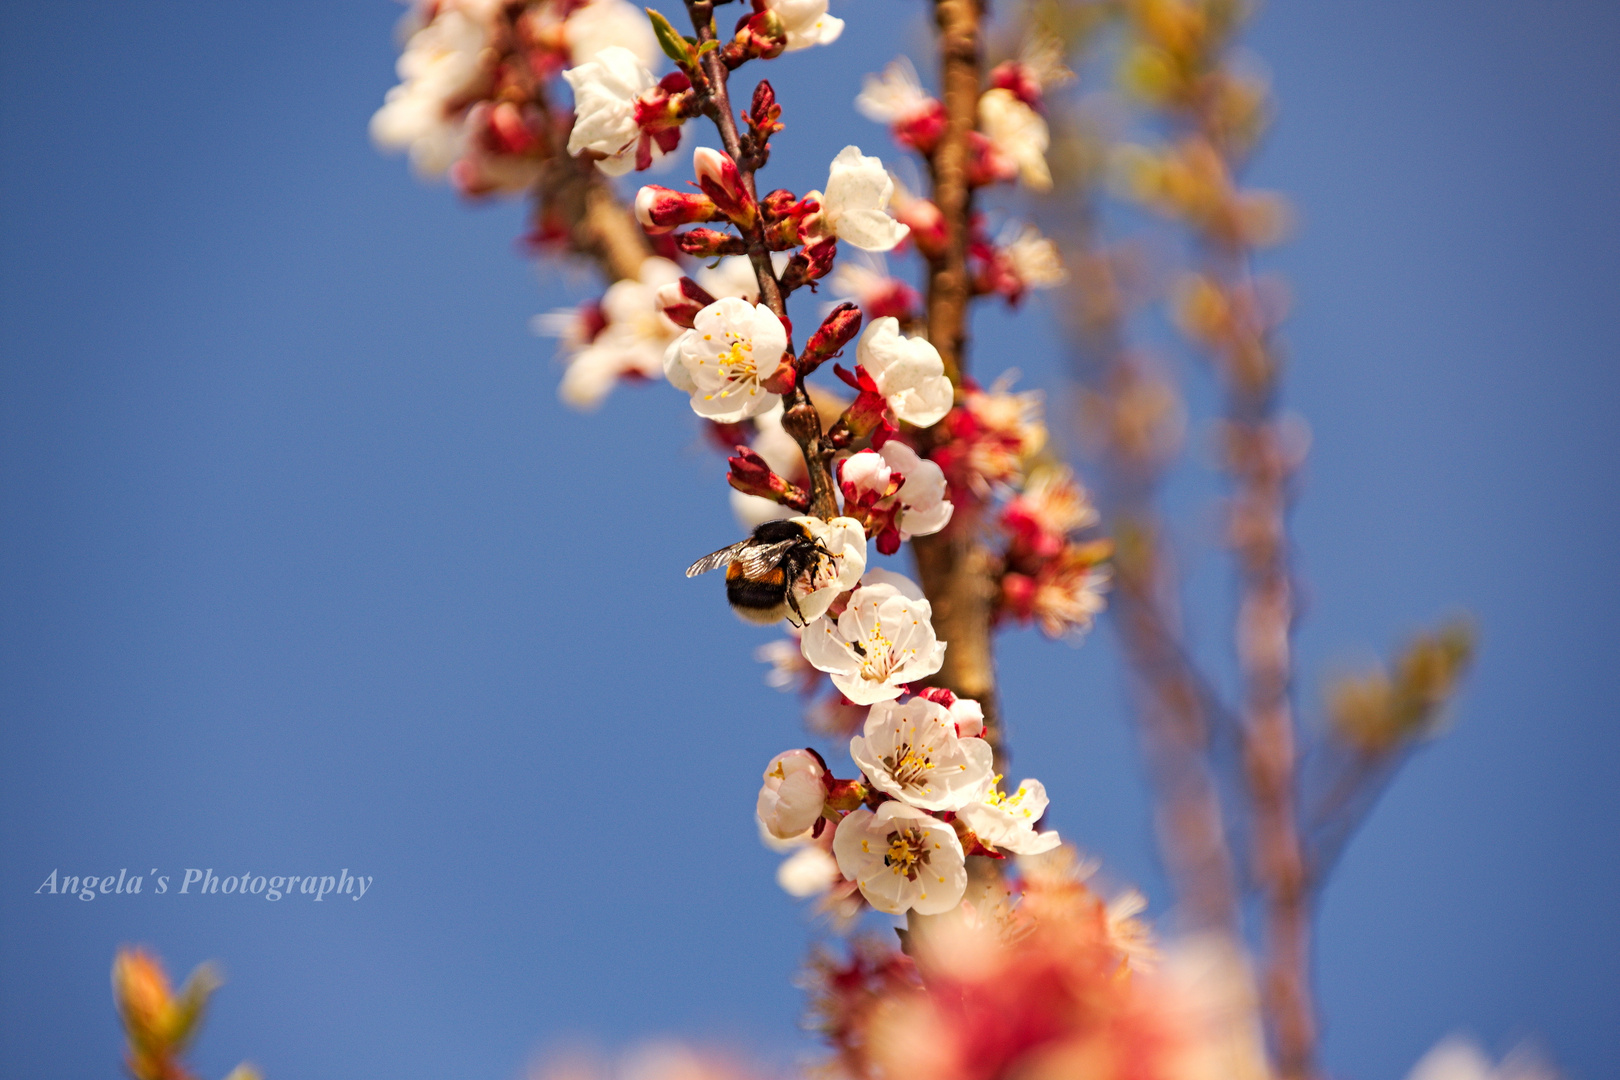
(800, 418)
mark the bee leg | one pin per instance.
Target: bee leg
(793, 602)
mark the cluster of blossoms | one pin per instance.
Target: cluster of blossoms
(472, 95)
(1040, 977)
(927, 796)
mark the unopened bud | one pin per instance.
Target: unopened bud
(760, 36)
(721, 181)
(836, 331)
(709, 243)
(661, 209)
(764, 114)
(811, 264)
(752, 476)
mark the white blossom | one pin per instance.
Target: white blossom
(720, 361)
(1459, 1058)
(734, 276)
(908, 372)
(838, 571)
(1130, 935)
(601, 24)
(1034, 258)
(912, 752)
(894, 96)
(1008, 822)
(632, 341)
(883, 639)
(809, 871)
(902, 859)
(793, 796)
(1020, 133)
(606, 88)
(920, 504)
(806, 22)
(442, 64)
(855, 207)
(968, 716)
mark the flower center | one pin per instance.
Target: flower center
(908, 850)
(878, 656)
(909, 765)
(737, 365)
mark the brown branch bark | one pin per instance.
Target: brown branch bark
(956, 569)
(949, 287)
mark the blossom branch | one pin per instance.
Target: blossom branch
(957, 569)
(800, 418)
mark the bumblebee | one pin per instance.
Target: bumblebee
(762, 570)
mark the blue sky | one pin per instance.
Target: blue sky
(305, 568)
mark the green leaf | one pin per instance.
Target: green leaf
(674, 46)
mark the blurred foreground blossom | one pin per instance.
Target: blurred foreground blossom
(159, 1024)
(1457, 1058)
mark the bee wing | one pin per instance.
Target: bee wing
(760, 559)
(724, 557)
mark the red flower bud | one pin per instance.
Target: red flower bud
(708, 243)
(721, 181)
(752, 476)
(764, 114)
(660, 209)
(836, 331)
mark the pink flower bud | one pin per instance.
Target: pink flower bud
(764, 114)
(660, 209)
(811, 264)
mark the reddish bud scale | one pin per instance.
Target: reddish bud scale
(764, 114)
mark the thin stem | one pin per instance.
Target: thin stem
(800, 418)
